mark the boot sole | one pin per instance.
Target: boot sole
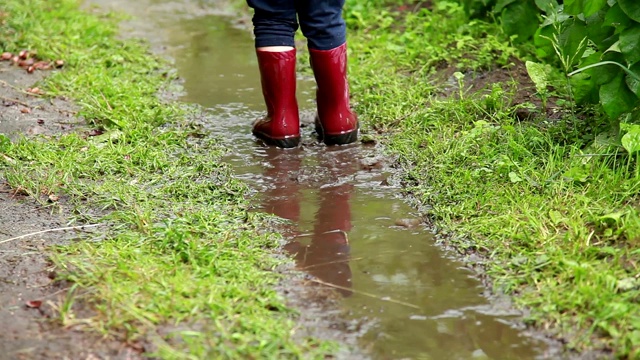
(286, 143)
(338, 139)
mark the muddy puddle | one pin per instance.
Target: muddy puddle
(348, 228)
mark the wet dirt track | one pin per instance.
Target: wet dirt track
(347, 228)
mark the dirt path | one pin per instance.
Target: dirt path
(32, 327)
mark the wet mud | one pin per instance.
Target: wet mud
(514, 77)
(30, 295)
(31, 298)
(25, 113)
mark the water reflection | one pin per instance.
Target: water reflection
(424, 305)
(281, 169)
(326, 255)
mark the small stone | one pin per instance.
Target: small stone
(408, 223)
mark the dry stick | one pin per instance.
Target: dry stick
(8, 159)
(49, 230)
(352, 259)
(15, 101)
(331, 263)
(18, 89)
(106, 101)
(366, 294)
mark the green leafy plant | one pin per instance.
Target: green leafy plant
(538, 75)
(594, 41)
(631, 139)
(4, 142)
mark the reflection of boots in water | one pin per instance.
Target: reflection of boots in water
(330, 243)
(327, 257)
(282, 198)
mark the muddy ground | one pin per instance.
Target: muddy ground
(29, 292)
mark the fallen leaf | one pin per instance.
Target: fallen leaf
(26, 62)
(42, 65)
(95, 132)
(40, 121)
(34, 304)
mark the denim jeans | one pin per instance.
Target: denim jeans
(276, 21)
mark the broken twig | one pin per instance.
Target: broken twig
(385, 298)
(48, 231)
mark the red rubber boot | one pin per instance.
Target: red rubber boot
(281, 126)
(336, 124)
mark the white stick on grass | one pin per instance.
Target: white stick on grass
(48, 231)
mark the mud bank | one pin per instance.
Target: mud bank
(33, 311)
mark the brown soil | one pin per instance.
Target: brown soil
(415, 6)
(24, 113)
(29, 294)
(514, 78)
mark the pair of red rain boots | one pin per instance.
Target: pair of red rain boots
(335, 124)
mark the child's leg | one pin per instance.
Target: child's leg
(274, 23)
(322, 24)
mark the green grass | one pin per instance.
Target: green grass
(178, 248)
(555, 213)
